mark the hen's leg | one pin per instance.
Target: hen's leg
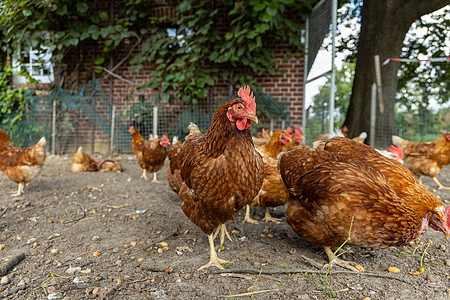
(247, 217)
(223, 231)
(19, 190)
(154, 178)
(144, 175)
(268, 217)
(337, 261)
(214, 261)
(440, 184)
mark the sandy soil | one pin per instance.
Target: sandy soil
(98, 236)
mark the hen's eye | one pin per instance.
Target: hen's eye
(238, 107)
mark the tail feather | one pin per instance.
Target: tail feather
(398, 141)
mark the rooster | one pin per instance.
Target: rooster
(426, 159)
(221, 169)
(21, 165)
(151, 154)
(81, 162)
(336, 200)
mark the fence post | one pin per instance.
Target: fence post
(54, 127)
(155, 121)
(113, 123)
(373, 117)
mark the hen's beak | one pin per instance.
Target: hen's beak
(252, 117)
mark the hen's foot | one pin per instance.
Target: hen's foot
(269, 218)
(336, 261)
(223, 232)
(440, 185)
(214, 261)
(19, 190)
(144, 175)
(154, 178)
(247, 217)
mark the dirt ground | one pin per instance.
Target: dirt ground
(99, 236)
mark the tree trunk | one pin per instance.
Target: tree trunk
(384, 24)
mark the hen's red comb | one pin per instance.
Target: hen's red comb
(394, 149)
(299, 131)
(247, 95)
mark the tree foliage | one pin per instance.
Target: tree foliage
(191, 51)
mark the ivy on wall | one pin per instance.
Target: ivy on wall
(207, 41)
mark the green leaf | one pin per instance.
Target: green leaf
(259, 7)
(103, 16)
(99, 60)
(82, 7)
(26, 12)
(62, 10)
(228, 36)
(271, 11)
(184, 6)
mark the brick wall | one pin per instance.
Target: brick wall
(286, 86)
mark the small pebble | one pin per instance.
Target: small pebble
(132, 244)
(164, 244)
(393, 270)
(4, 280)
(2, 246)
(431, 278)
(447, 261)
(442, 247)
(160, 250)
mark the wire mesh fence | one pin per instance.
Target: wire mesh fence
(88, 118)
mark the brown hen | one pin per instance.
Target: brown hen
(426, 159)
(332, 197)
(151, 154)
(221, 170)
(21, 165)
(174, 170)
(81, 162)
(272, 192)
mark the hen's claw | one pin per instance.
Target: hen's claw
(269, 218)
(214, 261)
(336, 261)
(223, 232)
(247, 217)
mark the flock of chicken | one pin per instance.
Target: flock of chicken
(338, 191)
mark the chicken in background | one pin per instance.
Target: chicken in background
(221, 169)
(263, 138)
(21, 165)
(324, 136)
(110, 166)
(336, 200)
(276, 144)
(297, 137)
(81, 162)
(360, 138)
(174, 170)
(426, 159)
(272, 192)
(151, 154)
